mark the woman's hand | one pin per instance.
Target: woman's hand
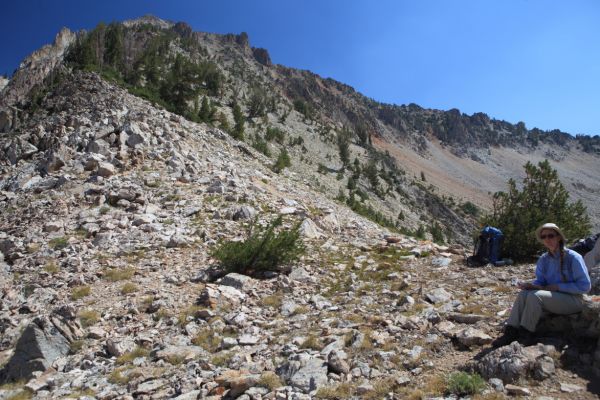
(529, 286)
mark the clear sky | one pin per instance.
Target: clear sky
(536, 61)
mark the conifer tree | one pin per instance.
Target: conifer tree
(238, 118)
(543, 199)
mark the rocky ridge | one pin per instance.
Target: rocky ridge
(460, 158)
(110, 208)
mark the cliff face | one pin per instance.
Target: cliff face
(36, 68)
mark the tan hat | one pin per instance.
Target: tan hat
(552, 226)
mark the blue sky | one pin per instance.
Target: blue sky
(536, 61)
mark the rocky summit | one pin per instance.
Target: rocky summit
(111, 207)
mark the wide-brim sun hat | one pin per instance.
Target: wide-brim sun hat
(551, 226)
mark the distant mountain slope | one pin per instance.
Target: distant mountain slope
(407, 167)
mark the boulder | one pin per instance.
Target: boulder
(106, 169)
(40, 344)
(439, 295)
(311, 376)
(309, 229)
(473, 337)
(219, 295)
(513, 362)
(238, 281)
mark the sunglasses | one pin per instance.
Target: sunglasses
(548, 236)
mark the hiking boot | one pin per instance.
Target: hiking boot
(509, 335)
(527, 338)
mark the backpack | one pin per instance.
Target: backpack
(583, 246)
(488, 247)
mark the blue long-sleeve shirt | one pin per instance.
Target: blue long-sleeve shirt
(547, 272)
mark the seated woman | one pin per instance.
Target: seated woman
(561, 280)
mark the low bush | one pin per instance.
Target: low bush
(463, 384)
(263, 250)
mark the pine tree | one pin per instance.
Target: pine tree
(205, 110)
(542, 199)
(238, 118)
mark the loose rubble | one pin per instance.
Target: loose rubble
(110, 211)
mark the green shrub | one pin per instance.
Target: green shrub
(463, 384)
(470, 208)
(436, 233)
(283, 161)
(261, 145)
(275, 134)
(304, 108)
(264, 250)
(59, 243)
(543, 199)
(239, 119)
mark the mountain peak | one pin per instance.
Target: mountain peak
(148, 20)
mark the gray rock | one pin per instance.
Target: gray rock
(228, 343)
(244, 213)
(508, 363)
(238, 281)
(517, 390)
(473, 337)
(300, 274)
(106, 169)
(40, 344)
(53, 226)
(177, 241)
(441, 262)
(569, 388)
(191, 395)
(309, 229)
(248, 340)
(311, 376)
(288, 308)
(149, 387)
(118, 347)
(439, 295)
(543, 368)
(337, 363)
(496, 384)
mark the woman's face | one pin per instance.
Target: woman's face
(550, 239)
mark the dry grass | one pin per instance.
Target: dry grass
(208, 340)
(312, 342)
(88, 317)
(119, 274)
(80, 292)
(221, 359)
(190, 311)
(435, 385)
(273, 301)
(130, 356)
(51, 267)
(337, 392)
(270, 380)
(129, 288)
